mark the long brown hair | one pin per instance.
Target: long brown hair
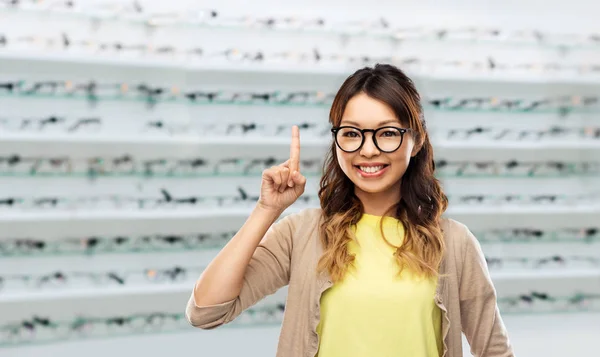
(422, 199)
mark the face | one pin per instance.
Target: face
(371, 170)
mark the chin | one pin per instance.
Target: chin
(374, 187)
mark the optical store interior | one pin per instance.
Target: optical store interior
(133, 135)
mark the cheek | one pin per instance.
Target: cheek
(344, 160)
(402, 157)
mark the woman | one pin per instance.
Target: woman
(376, 271)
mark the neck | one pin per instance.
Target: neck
(378, 203)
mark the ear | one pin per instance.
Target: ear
(415, 151)
(416, 148)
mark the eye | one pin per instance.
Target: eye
(388, 133)
(350, 134)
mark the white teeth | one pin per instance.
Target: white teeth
(371, 169)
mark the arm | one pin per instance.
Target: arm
(256, 262)
(252, 265)
(480, 317)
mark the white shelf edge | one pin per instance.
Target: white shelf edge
(516, 210)
(99, 292)
(176, 64)
(116, 215)
(186, 287)
(215, 214)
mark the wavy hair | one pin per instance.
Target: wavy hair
(422, 200)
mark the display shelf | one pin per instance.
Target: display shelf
(155, 146)
(554, 238)
(124, 252)
(179, 64)
(513, 78)
(182, 291)
(215, 214)
(226, 213)
(125, 222)
(257, 174)
(530, 335)
(55, 252)
(556, 112)
(261, 25)
(480, 218)
(150, 334)
(219, 219)
(187, 65)
(219, 147)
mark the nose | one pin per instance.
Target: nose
(369, 149)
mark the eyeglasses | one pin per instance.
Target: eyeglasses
(542, 302)
(165, 200)
(36, 328)
(79, 279)
(152, 94)
(496, 134)
(554, 261)
(526, 200)
(387, 139)
(258, 97)
(259, 129)
(562, 105)
(24, 247)
(43, 329)
(516, 168)
(582, 235)
(49, 123)
(127, 165)
(380, 27)
(311, 57)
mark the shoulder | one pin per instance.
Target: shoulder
(304, 216)
(454, 231)
(458, 238)
(302, 230)
(303, 220)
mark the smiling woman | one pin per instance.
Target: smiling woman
(384, 164)
(376, 270)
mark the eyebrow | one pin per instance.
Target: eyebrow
(389, 121)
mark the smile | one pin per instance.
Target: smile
(371, 171)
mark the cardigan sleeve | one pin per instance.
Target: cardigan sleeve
(267, 272)
(480, 317)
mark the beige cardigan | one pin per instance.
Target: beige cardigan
(288, 254)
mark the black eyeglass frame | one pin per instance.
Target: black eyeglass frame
(402, 131)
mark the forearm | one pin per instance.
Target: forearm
(223, 278)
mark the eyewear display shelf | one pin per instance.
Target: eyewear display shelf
(119, 155)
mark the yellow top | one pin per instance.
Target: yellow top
(373, 311)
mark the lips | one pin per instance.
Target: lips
(368, 170)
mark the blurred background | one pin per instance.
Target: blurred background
(133, 135)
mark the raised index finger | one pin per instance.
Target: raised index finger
(295, 150)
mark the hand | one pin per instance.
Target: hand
(283, 184)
